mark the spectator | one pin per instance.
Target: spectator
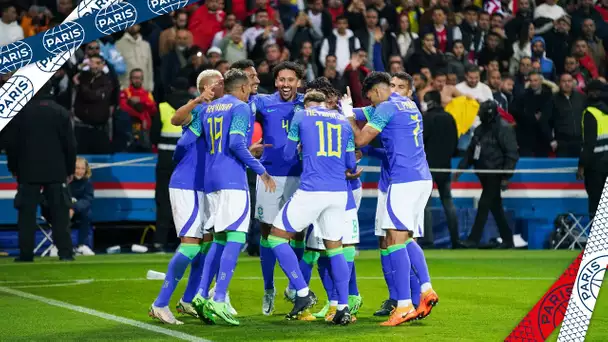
(232, 46)
(492, 50)
(580, 50)
(62, 87)
(227, 26)
(64, 8)
(448, 92)
(356, 14)
(547, 69)
(549, 10)
(387, 14)
(444, 36)
(336, 9)
(36, 20)
(299, 32)
(580, 76)
(602, 8)
(506, 89)
(214, 55)
(440, 141)
(427, 57)
(456, 60)
(561, 118)
(469, 33)
(256, 37)
(342, 43)
(263, 5)
(521, 77)
(367, 39)
(495, 83)
(138, 55)
(175, 60)
(197, 63)
(141, 107)
(354, 74)
(11, 31)
(558, 43)
(595, 46)
(92, 108)
(522, 48)
(406, 39)
(308, 62)
(473, 87)
(168, 37)
(524, 15)
(320, 19)
(273, 57)
(493, 148)
(497, 23)
(587, 11)
(527, 112)
(41, 154)
(205, 22)
(331, 73)
(82, 193)
(287, 12)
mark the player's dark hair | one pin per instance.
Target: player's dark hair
(314, 96)
(375, 78)
(404, 76)
(243, 64)
(233, 79)
(288, 65)
(323, 85)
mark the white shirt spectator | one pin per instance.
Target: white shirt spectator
(481, 92)
(252, 33)
(137, 54)
(342, 50)
(10, 33)
(218, 38)
(552, 12)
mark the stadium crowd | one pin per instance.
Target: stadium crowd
(534, 59)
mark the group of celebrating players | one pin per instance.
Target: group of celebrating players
(307, 197)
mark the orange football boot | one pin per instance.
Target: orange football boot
(400, 316)
(427, 301)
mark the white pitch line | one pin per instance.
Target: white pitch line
(99, 314)
(72, 283)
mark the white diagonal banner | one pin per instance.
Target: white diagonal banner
(589, 278)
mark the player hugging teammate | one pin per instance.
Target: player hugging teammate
(307, 197)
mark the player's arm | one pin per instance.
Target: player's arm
(238, 136)
(351, 157)
(293, 137)
(374, 152)
(374, 126)
(183, 115)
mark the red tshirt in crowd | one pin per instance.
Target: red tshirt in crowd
(204, 25)
(442, 37)
(147, 101)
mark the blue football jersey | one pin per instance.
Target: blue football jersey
(400, 125)
(277, 116)
(222, 119)
(189, 156)
(327, 148)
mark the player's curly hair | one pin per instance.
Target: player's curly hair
(375, 78)
(323, 85)
(287, 65)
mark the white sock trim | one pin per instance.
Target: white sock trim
(404, 303)
(303, 292)
(425, 287)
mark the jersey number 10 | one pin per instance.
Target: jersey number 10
(215, 133)
(334, 148)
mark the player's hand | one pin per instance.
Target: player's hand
(257, 148)
(355, 61)
(269, 183)
(347, 104)
(358, 155)
(350, 175)
(207, 94)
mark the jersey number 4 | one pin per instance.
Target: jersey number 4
(215, 133)
(334, 148)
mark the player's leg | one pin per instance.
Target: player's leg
(298, 242)
(331, 217)
(298, 213)
(414, 279)
(397, 217)
(184, 306)
(186, 214)
(267, 208)
(232, 217)
(428, 297)
(350, 240)
(388, 305)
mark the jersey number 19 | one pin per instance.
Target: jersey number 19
(334, 148)
(215, 133)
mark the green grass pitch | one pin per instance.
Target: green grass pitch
(483, 295)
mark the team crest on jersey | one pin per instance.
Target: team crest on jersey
(297, 108)
(254, 109)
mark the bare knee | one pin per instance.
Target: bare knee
(274, 231)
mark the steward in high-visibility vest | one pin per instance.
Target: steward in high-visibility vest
(593, 162)
(165, 136)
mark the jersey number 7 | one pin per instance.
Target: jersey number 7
(215, 133)
(329, 141)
